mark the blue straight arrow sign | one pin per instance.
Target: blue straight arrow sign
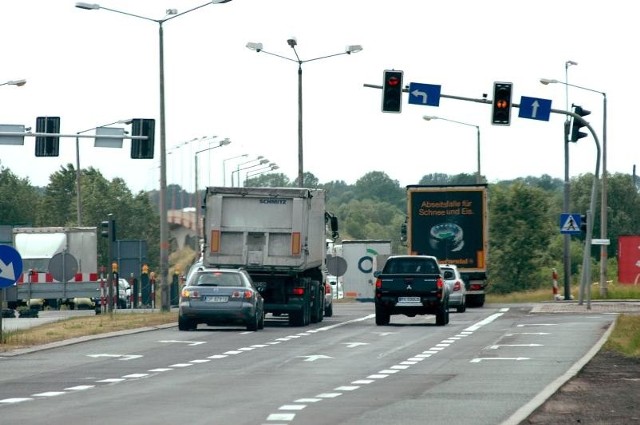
(424, 94)
(534, 108)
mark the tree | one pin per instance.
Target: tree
(378, 185)
(59, 204)
(521, 230)
(18, 200)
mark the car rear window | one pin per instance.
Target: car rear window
(411, 266)
(219, 279)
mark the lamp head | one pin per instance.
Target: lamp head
(547, 81)
(18, 83)
(219, 1)
(225, 141)
(292, 42)
(568, 63)
(254, 46)
(87, 6)
(429, 118)
(353, 49)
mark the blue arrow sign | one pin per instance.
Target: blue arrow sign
(10, 266)
(424, 94)
(534, 108)
(570, 223)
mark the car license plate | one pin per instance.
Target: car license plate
(405, 300)
(216, 299)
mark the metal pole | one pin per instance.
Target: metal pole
(479, 175)
(164, 230)
(195, 191)
(300, 154)
(604, 289)
(78, 197)
(566, 246)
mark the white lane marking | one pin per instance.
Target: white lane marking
(292, 407)
(15, 400)
(363, 381)
(160, 369)
(401, 367)
(233, 352)
(181, 365)
(182, 342)
(528, 333)
(314, 357)
(281, 417)
(308, 400)
(495, 347)
(200, 361)
(347, 388)
(388, 371)
(377, 376)
(79, 388)
(111, 380)
(483, 322)
(479, 359)
(136, 375)
(354, 344)
(329, 395)
(116, 356)
(536, 324)
(217, 356)
(49, 394)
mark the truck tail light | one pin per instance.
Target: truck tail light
(439, 285)
(298, 291)
(214, 244)
(295, 243)
(378, 283)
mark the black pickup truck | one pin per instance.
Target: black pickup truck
(411, 285)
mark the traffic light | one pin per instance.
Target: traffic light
(142, 149)
(576, 134)
(392, 91)
(501, 113)
(47, 145)
(583, 223)
(108, 229)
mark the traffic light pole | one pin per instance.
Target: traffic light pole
(585, 287)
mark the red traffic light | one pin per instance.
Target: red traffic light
(393, 81)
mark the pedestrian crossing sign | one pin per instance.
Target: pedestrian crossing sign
(570, 223)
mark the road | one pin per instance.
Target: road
(486, 367)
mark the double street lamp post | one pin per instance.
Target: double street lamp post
(222, 143)
(224, 167)
(293, 43)
(164, 225)
(478, 173)
(603, 194)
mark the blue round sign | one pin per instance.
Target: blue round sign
(10, 266)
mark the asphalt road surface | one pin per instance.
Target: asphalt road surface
(491, 365)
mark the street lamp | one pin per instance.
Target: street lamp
(258, 171)
(17, 83)
(222, 143)
(293, 43)
(237, 170)
(164, 225)
(78, 173)
(224, 169)
(603, 195)
(261, 162)
(478, 174)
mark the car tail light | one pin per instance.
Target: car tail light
(298, 291)
(439, 285)
(327, 288)
(456, 286)
(189, 293)
(378, 283)
(247, 294)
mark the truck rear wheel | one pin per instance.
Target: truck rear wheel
(475, 300)
(318, 307)
(382, 316)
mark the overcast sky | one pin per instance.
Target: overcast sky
(93, 67)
